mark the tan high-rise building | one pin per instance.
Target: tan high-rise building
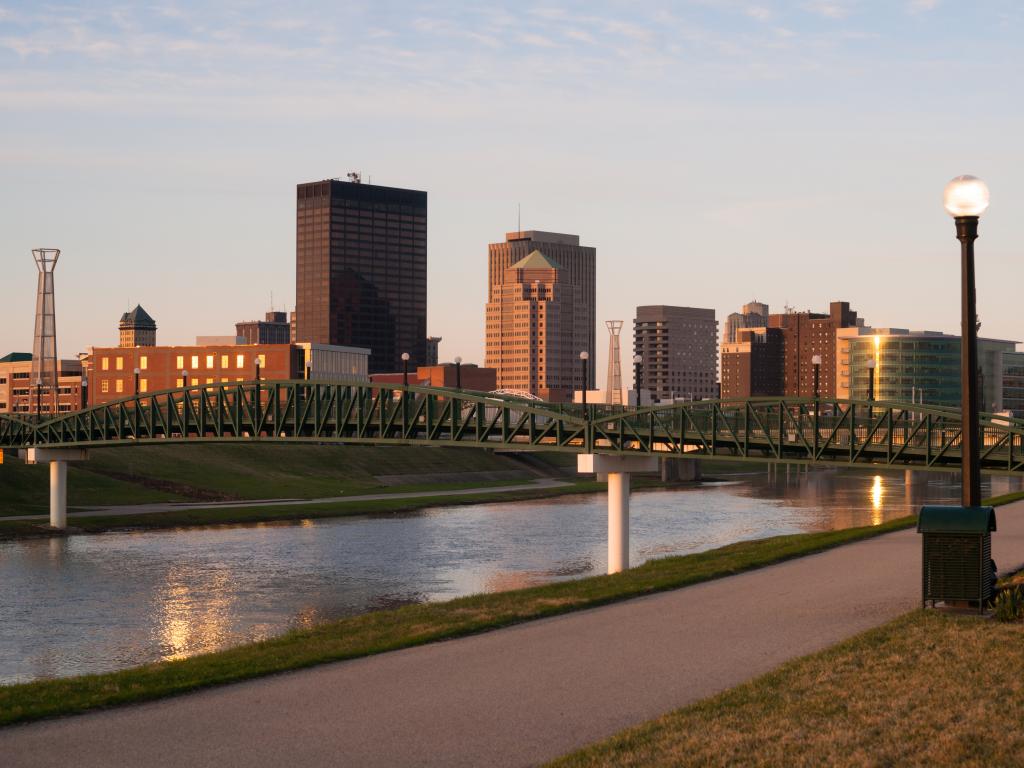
(577, 264)
(537, 325)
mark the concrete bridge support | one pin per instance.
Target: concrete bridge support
(58, 459)
(680, 470)
(616, 470)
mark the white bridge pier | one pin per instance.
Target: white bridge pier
(58, 459)
(616, 470)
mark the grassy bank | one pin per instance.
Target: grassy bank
(928, 689)
(407, 626)
(270, 513)
(223, 472)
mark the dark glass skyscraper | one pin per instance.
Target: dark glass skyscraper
(361, 270)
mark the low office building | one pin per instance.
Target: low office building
(473, 377)
(920, 366)
(19, 395)
(117, 372)
(274, 329)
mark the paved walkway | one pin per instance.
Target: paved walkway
(175, 506)
(516, 696)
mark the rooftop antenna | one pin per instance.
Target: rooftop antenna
(355, 177)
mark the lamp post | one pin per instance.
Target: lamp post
(584, 356)
(871, 379)
(184, 377)
(816, 362)
(309, 368)
(85, 391)
(405, 369)
(965, 199)
(458, 373)
(637, 360)
(137, 372)
(257, 367)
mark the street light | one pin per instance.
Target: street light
(637, 360)
(965, 199)
(816, 362)
(871, 379)
(309, 368)
(137, 372)
(257, 367)
(584, 356)
(85, 391)
(458, 373)
(405, 369)
(184, 377)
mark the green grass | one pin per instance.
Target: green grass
(928, 689)
(407, 626)
(25, 489)
(214, 472)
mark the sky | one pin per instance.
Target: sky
(714, 152)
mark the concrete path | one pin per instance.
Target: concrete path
(174, 506)
(517, 696)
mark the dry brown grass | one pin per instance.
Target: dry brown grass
(925, 690)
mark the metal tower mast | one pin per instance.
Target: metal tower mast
(614, 363)
(44, 344)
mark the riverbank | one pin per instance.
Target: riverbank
(388, 630)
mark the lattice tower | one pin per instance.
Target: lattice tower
(614, 362)
(44, 344)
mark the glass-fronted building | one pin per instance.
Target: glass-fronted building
(918, 366)
(1013, 383)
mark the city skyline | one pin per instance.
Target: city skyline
(782, 179)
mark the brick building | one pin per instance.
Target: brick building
(19, 395)
(111, 370)
(752, 365)
(804, 335)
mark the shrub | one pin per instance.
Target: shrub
(1009, 605)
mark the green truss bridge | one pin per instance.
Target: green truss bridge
(615, 439)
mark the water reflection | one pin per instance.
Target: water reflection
(95, 603)
(876, 500)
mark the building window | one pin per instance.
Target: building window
(179, 362)
(119, 386)
(209, 381)
(143, 385)
(262, 360)
(105, 363)
(179, 383)
(209, 363)
(225, 361)
(195, 362)
(120, 363)
(104, 385)
(239, 362)
(143, 363)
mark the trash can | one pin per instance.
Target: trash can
(956, 557)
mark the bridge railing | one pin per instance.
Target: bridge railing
(785, 429)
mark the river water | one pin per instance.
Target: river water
(102, 602)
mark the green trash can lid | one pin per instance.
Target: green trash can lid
(941, 519)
